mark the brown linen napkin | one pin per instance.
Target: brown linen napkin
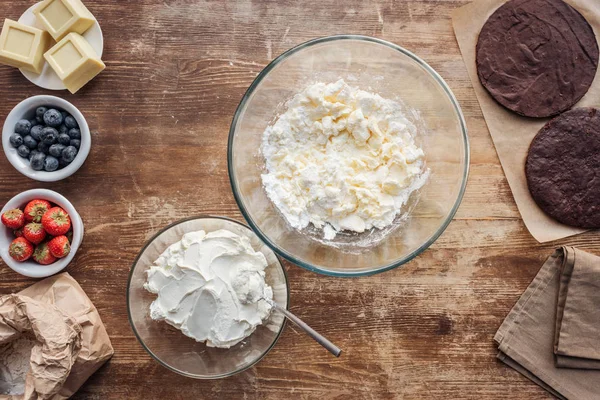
(577, 328)
(552, 334)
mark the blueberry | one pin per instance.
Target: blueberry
(64, 114)
(43, 147)
(36, 132)
(53, 118)
(69, 154)
(16, 140)
(64, 139)
(33, 122)
(75, 133)
(39, 113)
(56, 150)
(63, 129)
(23, 151)
(37, 161)
(62, 163)
(49, 136)
(70, 122)
(23, 127)
(32, 153)
(30, 142)
(75, 143)
(50, 164)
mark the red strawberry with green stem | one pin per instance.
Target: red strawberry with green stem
(14, 219)
(42, 254)
(56, 221)
(34, 232)
(18, 232)
(59, 246)
(20, 249)
(35, 209)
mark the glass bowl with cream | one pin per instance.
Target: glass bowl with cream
(198, 297)
(348, 155)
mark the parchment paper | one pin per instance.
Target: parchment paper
(56, 306)
(510, 132)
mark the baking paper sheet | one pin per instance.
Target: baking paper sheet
(512, 133)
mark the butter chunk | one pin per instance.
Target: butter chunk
(74, 61)
(61, 17)
(23, 46)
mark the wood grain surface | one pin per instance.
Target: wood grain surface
(160, 114)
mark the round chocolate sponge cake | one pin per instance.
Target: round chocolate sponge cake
(563, 168)
(537, 57)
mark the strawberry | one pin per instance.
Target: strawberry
(42, 254)
(14, 219)
(35, 209)
(34, 232)
(18, 232)
(59, 246)
(20, 249)
(56, 221)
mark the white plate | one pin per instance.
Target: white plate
(48, 78)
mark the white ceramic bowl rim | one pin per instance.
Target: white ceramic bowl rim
(21, 164)
(31, 268)
(290, 257)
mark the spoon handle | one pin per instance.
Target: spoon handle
(333, 349)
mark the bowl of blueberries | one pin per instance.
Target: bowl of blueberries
(46, 138)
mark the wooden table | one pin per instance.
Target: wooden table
(160, 114)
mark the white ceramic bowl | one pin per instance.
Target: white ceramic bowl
(26, 110)
(30, 268)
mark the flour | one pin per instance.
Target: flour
(341, 159)
(14, 365)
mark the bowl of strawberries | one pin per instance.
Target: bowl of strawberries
(40, 234)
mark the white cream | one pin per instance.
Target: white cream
(210, 287)
(342, 159)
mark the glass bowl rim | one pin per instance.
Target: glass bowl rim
(154, 356)
(283, 253)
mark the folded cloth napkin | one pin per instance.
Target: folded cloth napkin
(552, 334)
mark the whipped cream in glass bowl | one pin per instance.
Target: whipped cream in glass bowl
(211, 286)
(195, 297)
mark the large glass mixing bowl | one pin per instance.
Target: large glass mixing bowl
(392, 72)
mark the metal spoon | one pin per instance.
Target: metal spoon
(322, 340)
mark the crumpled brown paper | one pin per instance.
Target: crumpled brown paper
(513, 133)
(73, 342)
